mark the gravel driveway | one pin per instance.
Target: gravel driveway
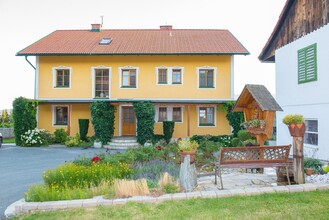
(21, 167)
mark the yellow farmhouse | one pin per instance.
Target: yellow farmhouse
(187, 74)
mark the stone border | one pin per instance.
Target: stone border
(21, 207)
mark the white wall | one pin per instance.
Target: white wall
(309, 99)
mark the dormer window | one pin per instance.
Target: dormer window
(105, 41)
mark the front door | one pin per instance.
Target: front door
(128, 121)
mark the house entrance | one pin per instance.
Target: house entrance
(128, 121)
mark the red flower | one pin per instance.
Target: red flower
(95, 159)
(158, 147)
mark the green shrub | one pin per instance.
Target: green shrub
(244, 135)
(168, 130)
(224, 140)
(145, 121)
(73, 141)
(156, 138)
(60, 136)
(24, 115)
(234, 118)
(102, 115)
(35, 138)
(208, 148)
(236, 142)
(83, 128)
(72, 175)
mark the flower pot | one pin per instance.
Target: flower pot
(185, 153)
(97, 144)
(297, 130)
(257, 130)
(309, 171)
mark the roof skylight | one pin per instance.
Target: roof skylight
(105, 41)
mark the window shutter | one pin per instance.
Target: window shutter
(307, 64)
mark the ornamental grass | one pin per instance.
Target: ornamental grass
(71, 175)
(126, 188)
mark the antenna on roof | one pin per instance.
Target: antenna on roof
(102, 17)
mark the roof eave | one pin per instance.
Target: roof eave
(263, 55)
(126, 54)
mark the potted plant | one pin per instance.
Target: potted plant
(312, 165)
(255, 126)
(97, 143)
(295, 124)
(187, 147)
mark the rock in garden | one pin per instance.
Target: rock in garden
(187, 175)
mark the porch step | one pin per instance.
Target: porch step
(124, 140)
(122, 143)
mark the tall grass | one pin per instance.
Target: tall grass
(126, 188)
(41, 192)
(71, 175)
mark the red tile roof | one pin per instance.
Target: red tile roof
(175, 41)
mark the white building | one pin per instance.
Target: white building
(299, 46)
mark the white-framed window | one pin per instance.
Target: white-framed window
(128, 77)
(101, 82)
(60, 115)
(206, 116)
(206, 77)
(62, 77)
(162, 76)
(177, 114)
(176, 76)
(163, 114)
(169, 75)
(169, 113)
(311, 133)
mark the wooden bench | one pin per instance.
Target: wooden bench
(252, 157)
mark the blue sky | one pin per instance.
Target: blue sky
(23, 22)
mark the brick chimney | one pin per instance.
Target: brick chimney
(166, 27)
(96, 27)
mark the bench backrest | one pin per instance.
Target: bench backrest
(267, 154)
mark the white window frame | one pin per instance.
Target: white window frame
(206, 68)
(92, 75)
(53, 114)
(312, 132)
(128, 68)
(54, 73)
(215, 116)
(169, 75)
(169, 113)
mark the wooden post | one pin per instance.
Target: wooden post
(68, 120)
(188, 120)
(298, 155)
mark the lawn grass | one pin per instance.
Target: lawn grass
(9, 141)
(304, 205)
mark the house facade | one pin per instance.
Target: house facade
(186, 74)
(299, 47)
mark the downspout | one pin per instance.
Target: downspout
(30, 63)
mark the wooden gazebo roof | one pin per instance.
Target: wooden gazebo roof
(260, 94)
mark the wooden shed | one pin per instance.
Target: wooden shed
(257, 104)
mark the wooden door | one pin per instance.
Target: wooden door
(128, 121)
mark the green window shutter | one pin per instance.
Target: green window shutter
(307, 64)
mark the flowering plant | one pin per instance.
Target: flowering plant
(186, 145)
(158, 147)
(95, 159)
(254, 123)
(35, 137)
